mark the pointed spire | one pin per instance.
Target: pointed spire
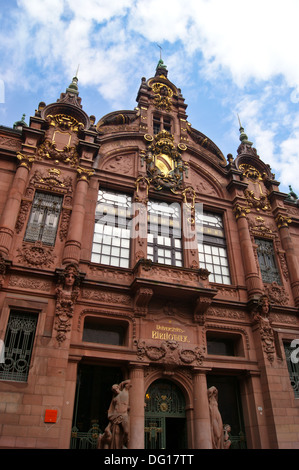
(243, 136)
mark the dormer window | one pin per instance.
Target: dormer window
(161, 123)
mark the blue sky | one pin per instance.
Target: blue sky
(229, 57)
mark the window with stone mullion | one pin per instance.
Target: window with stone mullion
(212, 250)
(164, 244)
(44, 218)
(112, 234)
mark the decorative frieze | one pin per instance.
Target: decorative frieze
(170, 352)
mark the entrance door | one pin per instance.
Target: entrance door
(165, 419)
(93, 397)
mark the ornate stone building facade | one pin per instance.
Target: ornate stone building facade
(133, 250)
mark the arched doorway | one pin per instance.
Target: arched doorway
(165, 417)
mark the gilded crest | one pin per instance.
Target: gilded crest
(164, 163)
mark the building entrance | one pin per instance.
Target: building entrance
(165, 419)
(93, 397)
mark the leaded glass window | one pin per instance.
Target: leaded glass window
(44, 218)
(164, 242)
(267, 262)
(112, 234)
(19, 339)
(212, 246)
(292, 357)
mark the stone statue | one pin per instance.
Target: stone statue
(116, 434)
(220, 436)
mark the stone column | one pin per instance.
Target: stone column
(72, 247)
(137, 407)
(201, 419)
(252, 278)
(13, 203)
(291, 258)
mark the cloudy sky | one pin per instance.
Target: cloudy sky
(229, 57)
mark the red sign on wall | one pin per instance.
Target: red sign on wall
(50, 416)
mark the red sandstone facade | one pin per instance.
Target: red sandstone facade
(94, 311)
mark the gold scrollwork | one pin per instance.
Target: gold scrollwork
(163, 95)
(65, 122)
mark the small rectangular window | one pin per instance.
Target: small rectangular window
(161, 123)
(19, 339)
(220, 346)
(97, 332)
(44, 218)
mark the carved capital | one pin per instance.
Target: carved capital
(282, 221)
(25, 160)
(84, 174)
(240, 211)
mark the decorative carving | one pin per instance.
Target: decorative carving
(24, 209)
(51, 180)
(202, 304)
(141, 301)
(3, 267)
(220, 436)
(142, 185)
(258, 203)
(106, 297)
(36, 255)
(276, 294)
(282, 221)
(67, 123)
(119, 164)
(240, 211)
(261, 316)
(84, 174)
(29, 283)
(259, 227)
(10, 143)
(25, 160)
(189, 196)
(163, 95)
(164, 163)
(67, 292)
(48, 150)
(64, 224)
(170, 353)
